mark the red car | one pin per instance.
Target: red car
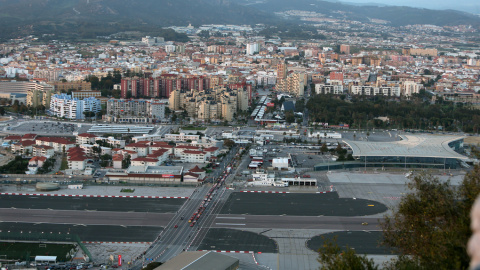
(176, 226)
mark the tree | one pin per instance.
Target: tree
(324, 148)
(431, 223)
(332, 257)
(228, 143)
(289, 117)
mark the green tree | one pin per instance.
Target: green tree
(431, 223)
(228, 143)
(324, 148)
(332, 257)
(289, 117)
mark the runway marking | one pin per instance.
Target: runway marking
(91, 196)
(232, 217)
(231, 224)
(52, 216)
(229, 251)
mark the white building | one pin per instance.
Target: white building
(72, 108)
(252, 48)
(182, 137)
(280, 163)
(375, 91)
(323, 134)
(336, 89)
(409, 88)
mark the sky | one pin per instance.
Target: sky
(472, 6)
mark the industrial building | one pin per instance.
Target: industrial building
(148, 175)
(412, 151)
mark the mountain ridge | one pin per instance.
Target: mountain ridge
(91, 18)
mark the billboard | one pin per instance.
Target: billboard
(168, 175)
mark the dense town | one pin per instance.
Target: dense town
(234, 112)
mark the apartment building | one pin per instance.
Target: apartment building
(73, 108)
(329, 88)
(135, 110)
(62, 86)
(367, 90)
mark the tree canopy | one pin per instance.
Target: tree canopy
(429, 229)
(417, 113)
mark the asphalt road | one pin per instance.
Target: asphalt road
(84, 217)
(296, 222)
(92, 204)
(173, 240)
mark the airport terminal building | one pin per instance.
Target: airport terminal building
(412, 151)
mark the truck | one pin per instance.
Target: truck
(229, 169)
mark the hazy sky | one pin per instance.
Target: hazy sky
(472, 6)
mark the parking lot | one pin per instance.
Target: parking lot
(53, 128)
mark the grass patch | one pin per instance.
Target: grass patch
(28, 251)
(127, 190)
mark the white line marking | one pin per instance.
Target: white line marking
(232, 224)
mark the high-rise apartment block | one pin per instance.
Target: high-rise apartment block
(135, 110)
(73, 108)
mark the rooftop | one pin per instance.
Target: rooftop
(410, 146)
(199, 260)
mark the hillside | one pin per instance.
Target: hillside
(89, 18)
(396, 15)
(92, 18)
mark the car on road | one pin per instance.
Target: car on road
(176, 226)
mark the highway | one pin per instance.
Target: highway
(179, 233)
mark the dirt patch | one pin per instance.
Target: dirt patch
(472, 140)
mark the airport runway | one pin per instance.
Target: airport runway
(84, 217)
(296, 222)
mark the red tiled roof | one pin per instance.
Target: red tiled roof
(196, 169)
(117, 157)
(88, 135)
(35, 159)
(29, 136)
(78, 158)
(27, 143)
(187, 147)
(13, 138)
